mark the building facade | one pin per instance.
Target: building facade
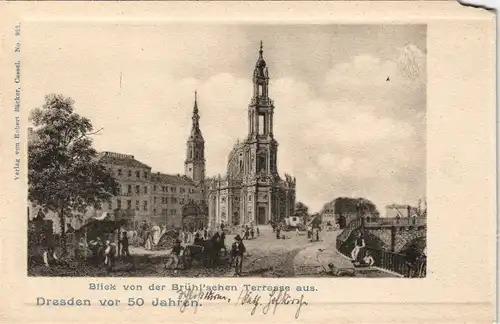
(252, 190)
(159, 198)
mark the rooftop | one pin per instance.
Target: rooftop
(171, 179)
(121, 159)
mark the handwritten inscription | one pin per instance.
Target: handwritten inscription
(263, 299)
(274, 299)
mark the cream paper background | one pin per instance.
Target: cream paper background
(461, 178)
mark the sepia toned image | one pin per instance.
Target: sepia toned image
(248, 161)
(227, 150)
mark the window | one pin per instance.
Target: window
(145, 189)
(249, 197)
(145, 205)
(154, 188)
(138, 174)
(119, 172)
(173, 189)
(129, 204)
(129, 189)
(190, 169)
(174, 200)
(137, 189)
(262, 162)
(261, 124)
(154, 200)
(129, 173)
(154, 211)
(118, 204)
(137, 205)
(163, 189)
(145, 174)
(260, 89)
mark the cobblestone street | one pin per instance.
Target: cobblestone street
(266, 257)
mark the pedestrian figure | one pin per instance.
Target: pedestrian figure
(278, 230)
(124, 243)
(176, 253)
(252, 233)
(359, 244)
(247, 232)
(239, 253)
(338, 272)
(109, 255)
(258, 231)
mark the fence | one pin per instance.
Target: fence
(394, 262)
(394, 221)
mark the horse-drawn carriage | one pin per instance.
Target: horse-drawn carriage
(209, 253)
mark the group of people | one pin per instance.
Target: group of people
(249, 232)
(106, 251)
(359, 246)
(313, 233)
(236, 254)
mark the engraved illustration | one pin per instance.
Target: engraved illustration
(263, 151)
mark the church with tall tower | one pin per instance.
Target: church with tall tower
(252, 189)
(194, 166)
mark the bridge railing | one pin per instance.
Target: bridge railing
(398, 263)
(393, 221)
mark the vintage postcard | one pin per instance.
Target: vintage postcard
(248, 161)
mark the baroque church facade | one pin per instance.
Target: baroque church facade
(252, 189)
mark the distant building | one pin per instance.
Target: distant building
(252, 190)
(144, 195)
(398, 210)
(328, 216)
(170, 194)
(134, 191)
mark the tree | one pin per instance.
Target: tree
(301, 210)
(64, 173)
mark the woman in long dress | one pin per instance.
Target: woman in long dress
(148, 244)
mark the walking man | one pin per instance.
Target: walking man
(125, 251)
(240, 252)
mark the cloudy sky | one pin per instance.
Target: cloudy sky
(350, 99)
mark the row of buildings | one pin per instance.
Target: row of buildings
(330, 214)
(250, 191)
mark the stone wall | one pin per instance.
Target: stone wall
(404, 235)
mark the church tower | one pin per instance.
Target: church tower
(260, 122)
(194, 166)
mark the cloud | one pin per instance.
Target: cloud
(349, 132)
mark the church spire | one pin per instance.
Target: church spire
(195, 154)
(195, 108)
(195, 129)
